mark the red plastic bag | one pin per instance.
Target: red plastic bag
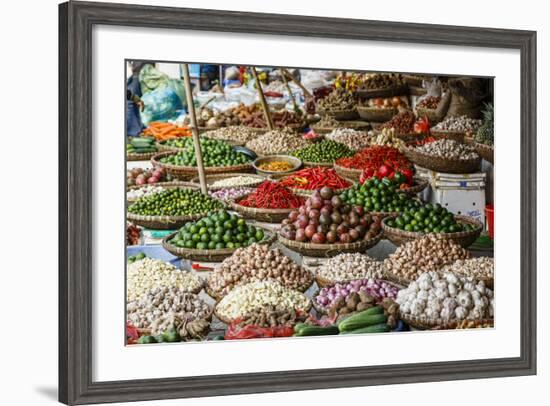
(234, 332)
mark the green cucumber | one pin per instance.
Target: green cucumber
(299, 326)
(316, 331)
(363, 319)
(374, 328)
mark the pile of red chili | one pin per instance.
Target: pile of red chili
(315, 178)
(235, 332)
(272, 195)
(380, 161)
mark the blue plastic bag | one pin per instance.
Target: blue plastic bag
(161, 104)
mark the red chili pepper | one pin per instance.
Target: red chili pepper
(272, 195)
(315, 178)
(132, 334)
(234, 332)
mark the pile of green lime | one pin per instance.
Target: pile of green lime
(214, 153)
(174, 202)
(379, 196)
(326, 151)
(217, 230)
(429, 219)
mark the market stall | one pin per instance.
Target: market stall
(272, 218)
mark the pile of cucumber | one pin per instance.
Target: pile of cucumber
(372, 320)
(141, 145)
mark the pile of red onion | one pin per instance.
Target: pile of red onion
(377, 288)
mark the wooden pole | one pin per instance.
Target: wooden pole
(263, 102)
(298, 83)
(289, 90)
(194, 128)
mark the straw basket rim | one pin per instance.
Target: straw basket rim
(260, 214)
(398, 236)
(212, 255)
(141, 157)
(380, 114)
(425, 323)
(190, 170)
(441, 164)
(329, 250)
(217, 176)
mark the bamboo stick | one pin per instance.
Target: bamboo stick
(298, 83)
(194, 128)
(263, 102)
(289, 90)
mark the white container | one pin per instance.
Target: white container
(459, 193)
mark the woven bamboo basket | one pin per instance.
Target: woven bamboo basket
(433, 118)
(227, 320)
(162, 222)
(188, 172)
(166, 148)
(307, 192)
(464, 238)
(314, 164)
(210, 179)
(260, 214)
(487, 152)
(148, 331)
(328, 250)
(424, 323)
(325, 283)
(348, 173)
(417, 90)
(419, 185)
(440, 164)
(452, 135)
(340, 115)
(164, 185)
(397, 90)
(376, 113)
(214, 255)
(140, 157)
(353, 124)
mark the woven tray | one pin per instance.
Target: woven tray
(379, 114)
(452, 135)
(314, 164)
(214, 255)
(140, 157)
(424, 323)
(226, 320)
(188, 172)
(418, 186)
(391, 91)
(353, 124)
(162, 222)
(259, 214)
(328, 250)
(340, 115)
(165, 185)
(212, 178)
(348, 173)
(439, 164)
(464, 238)
(433, 118)
(487, 152)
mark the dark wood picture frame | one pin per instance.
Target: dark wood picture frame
(76, 20)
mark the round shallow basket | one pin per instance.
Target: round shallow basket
(353, 124)
(162, 222)
(140, 157)
(226, 320)
(440, 164)
(292, 160)
(264, 215)
(348, 173)
(328, 250)
(188, 172)
(419, 185)
(464, 238)
(397, 90)
(487, 152)
(210, 179)
(433, 118)
(214, 255)
(313, 164)
(425, 323)
(380, 114)
(340, 115)
(307, 192)
(164, 185)
(452, 135)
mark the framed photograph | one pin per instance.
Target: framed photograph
(260, 202)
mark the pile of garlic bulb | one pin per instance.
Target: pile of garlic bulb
(446, 296)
